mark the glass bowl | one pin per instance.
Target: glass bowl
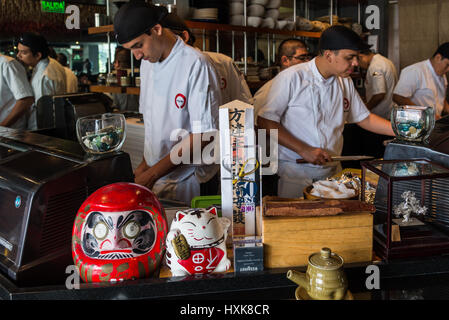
(101, 133)
(412, 123)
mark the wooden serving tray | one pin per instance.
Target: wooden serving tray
(274, 206)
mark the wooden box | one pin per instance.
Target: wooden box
(288, 241)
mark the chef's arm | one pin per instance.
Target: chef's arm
(147, 176)
(377, 124)
(375, 100)
(286, 139)
(402, 101)
(141, 167)
(20, 109)
(445, 108)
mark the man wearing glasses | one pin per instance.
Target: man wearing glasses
(309, 105)
(291, 52)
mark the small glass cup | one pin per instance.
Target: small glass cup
(412, 123)
(101, 133)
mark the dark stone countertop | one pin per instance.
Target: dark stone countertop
(425, 278)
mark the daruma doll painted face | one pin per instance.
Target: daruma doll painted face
(119, 233)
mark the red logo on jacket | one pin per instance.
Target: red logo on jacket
(180, 101)
(346, 105)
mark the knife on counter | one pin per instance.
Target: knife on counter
(342, 158)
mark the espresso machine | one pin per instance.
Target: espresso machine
(43, 182)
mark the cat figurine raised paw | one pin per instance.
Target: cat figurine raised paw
(196, 242)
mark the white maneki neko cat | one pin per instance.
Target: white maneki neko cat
(196, 242)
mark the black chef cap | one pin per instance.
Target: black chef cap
(173, 22)
(340, 37)
(443, 50)
(135, 18)
(35, 42)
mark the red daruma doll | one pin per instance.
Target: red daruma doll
(119, 233)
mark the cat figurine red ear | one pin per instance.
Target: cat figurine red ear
(179, 215)
(196, 242)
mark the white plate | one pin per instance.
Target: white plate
(236, 8)
(236, 20)
(261, 2)
(255, 10)
(254, 22)
(272, 13)
(273, 4)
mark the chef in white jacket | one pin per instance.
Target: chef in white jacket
(290, 53)
(424, 83)
(232, 81)
(179, 96)
(48, 77)
(309, 104)
(380, 81)
(16, 95)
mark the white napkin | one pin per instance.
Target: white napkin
(332, 190)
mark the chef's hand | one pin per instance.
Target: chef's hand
(315, 155)
(141, 168)
(146, 178)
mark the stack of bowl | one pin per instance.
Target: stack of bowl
(260, 13)
(236, 11)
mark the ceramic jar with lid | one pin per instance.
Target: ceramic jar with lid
(325, 278)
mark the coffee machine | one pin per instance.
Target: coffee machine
(43, 182)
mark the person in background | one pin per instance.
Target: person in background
(232, 81)
(87, 67)
(380, 81)
(71, 79)
(123, 101)
(48, 77)
(309, 104)
(16, 95)
(290, 52)
(424, 83)
(179, 99)
(84, 82)
(52, 53)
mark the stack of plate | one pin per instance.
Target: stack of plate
(252, 74)
(205, 14)
(134, 142)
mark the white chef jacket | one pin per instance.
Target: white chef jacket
(48, 79)
(260, 97)
(14, 86)
(232, 82)
(181, 92)
(314, 110)
(71, 81)
(422, 85)
(381, 77)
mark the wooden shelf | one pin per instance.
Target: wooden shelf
(223, 27)
(133, 90)
(115, 89)
(109, 89)
(136, 90)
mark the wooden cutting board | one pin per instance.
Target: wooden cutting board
(274, 206)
